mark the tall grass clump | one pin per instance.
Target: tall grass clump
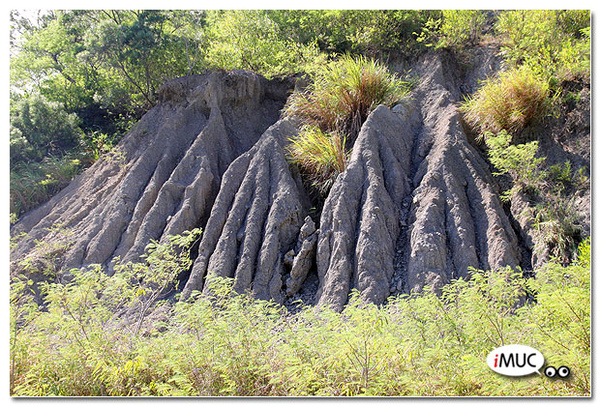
(321, 157)
(34, 183)
(333, 108)
(343, 94)
(508, 102)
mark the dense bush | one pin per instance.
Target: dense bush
(40, 128)
(454, 30)
(249, 39)
(34, 183)
(554, 43)
(368, 32)
(44, 139)
(100, 335)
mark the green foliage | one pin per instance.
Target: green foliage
(34, 183)
(144, 48)
(368, 32)
(553, 43)
(249, 39)
(460, 28)
(560, 319)
(321, 157)
(454, 29)
(85, 339)
(508, 102)
(40, 128)
(226, 343)
(80, 78)
(554, 219)
(518, 161)
(564, 179)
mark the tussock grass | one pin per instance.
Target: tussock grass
(508, 102)
(333, 108)
(343, 94)
(320, 156)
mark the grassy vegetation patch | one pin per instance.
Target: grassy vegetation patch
(508, 102)
(333, 108)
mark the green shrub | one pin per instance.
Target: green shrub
(368, 32)
(84, 340)
(249, 39)
(508, 102)
(231, 344)
(555, 219)
(553, 43)
(518, 161)
(563, 178)
(455, 30)
(559, 320)
(40, 128)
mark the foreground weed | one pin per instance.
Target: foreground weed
(224, 343)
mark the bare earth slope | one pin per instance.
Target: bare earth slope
(414, 190)
(416, 206)
(166, 174)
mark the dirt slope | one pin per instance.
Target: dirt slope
(416, 191)
(416, 206)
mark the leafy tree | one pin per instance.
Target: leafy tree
(140, 46)
(107, 65)
(250, 39)
(40, 127)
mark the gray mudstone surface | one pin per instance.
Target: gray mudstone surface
(416, 206)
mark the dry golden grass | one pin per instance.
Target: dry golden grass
(509, 102)
(320, 156)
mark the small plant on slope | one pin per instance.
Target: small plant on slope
(509, 102)
(320, 156)
(518, 161)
